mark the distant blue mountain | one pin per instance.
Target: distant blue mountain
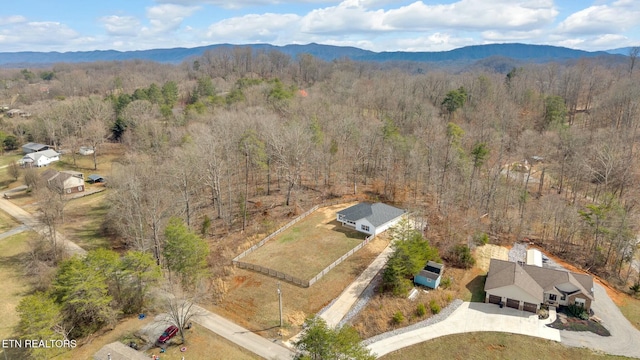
(620, 51)
(531, 53)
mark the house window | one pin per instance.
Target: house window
(552, 297)
(580, 302)
(364, 227)
(563, 297)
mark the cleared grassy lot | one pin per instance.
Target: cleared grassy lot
(251, 298)
(309, 246)
(83, 220)
(7, 222)
(630, 308)
(15, 285)
(491, 346)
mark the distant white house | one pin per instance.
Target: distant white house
(40, 158)
(370, 219)
(85, 150)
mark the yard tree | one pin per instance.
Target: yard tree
(40, 318)
(319, 342)
(14, 170)
(460, 256)
(411, 251)
(180, 305)
(185, 252)
(51, 214)
(84, 295)
(141, 273)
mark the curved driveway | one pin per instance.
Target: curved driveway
(624, 339)
(474, 317)
(471, 317)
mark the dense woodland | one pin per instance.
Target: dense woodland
(235, 141)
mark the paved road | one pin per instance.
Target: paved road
(624, 339)
(341, 306)
(30, 221)
(471, 317)
(241, 336)
(15, 230)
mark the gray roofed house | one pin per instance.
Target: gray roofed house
(40, 158)
(33, 147)
(524, 286)
(64, 182)
(370, 219)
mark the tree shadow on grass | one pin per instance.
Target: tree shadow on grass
(476, 287)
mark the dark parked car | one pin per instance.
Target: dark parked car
(168, 334)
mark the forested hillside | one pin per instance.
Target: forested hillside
(236, 141)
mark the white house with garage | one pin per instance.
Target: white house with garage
(40, 158)
(371, 219)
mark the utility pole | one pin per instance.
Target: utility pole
(280, 303)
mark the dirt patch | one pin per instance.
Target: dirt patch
(253, 303)
(485, 253)
(296, 318)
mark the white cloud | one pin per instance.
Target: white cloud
(41, 36)
(121, 25)
(168, 17)
(12, 19)
(618, 17)
(239, 4)
(474, 15)
(438, 41)
(346, 17)
(511, 36)
(253, 28)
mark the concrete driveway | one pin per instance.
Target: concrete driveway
(624, 339)
(472, 317)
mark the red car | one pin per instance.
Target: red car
(168, 334)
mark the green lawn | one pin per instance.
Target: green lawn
(83, 220)
(309, 246)
(9, 158)
(631, 310)
(14, 283)
(7, 222)
(494, 345)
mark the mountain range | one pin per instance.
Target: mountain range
(469, 54)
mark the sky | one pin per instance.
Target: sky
(377, 25)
